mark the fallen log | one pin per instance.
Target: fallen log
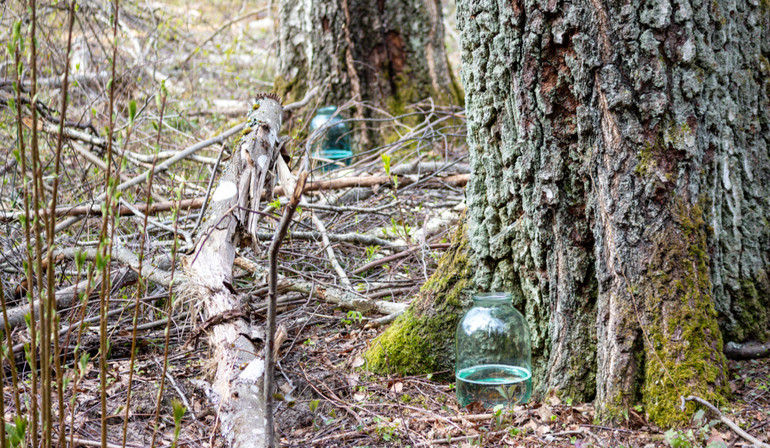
(458, 180)
(66, 297)
(239, 378)
(354, 238)
(122, 210)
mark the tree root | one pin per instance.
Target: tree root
(747, 350)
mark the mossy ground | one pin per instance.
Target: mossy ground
(422, 339)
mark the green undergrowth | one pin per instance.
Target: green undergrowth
(422, 339)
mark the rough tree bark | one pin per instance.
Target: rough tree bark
(390, 54)
(240, 364)
(620, 188)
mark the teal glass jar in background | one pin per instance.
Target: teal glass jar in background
(334, 146)
(493, 361)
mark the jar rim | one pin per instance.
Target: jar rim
(493, 297)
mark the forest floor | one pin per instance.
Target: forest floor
(331, 401)
(212, 57)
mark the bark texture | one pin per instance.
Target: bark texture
(620, 187)
(240, 365)
(390, 54)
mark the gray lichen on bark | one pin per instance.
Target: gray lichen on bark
(603, 134)
(527, 213)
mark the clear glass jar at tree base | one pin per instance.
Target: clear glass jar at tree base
(493, 361)
(333, 148)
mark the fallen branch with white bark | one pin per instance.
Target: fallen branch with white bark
(240, 364)
(345, 299)
(196, 203)
(66, 297)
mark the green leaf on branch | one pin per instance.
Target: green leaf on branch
(131, 112)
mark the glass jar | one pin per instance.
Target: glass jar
(333, 148)
(493, 361)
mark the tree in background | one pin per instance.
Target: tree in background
(388, 54)
(620, 190)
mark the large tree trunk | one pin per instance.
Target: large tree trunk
(390, 54)
(620, 188)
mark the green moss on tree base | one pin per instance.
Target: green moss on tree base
(683, 352)
(290, 90)
(751, 309)
(422, 339)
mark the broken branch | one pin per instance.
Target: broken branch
(272, 282)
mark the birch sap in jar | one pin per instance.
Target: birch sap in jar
(493, 356)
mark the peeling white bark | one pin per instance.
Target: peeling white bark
(240, 364)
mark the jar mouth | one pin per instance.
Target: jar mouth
(496, 297)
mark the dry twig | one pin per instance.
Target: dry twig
(758, 443)
(272, 255)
